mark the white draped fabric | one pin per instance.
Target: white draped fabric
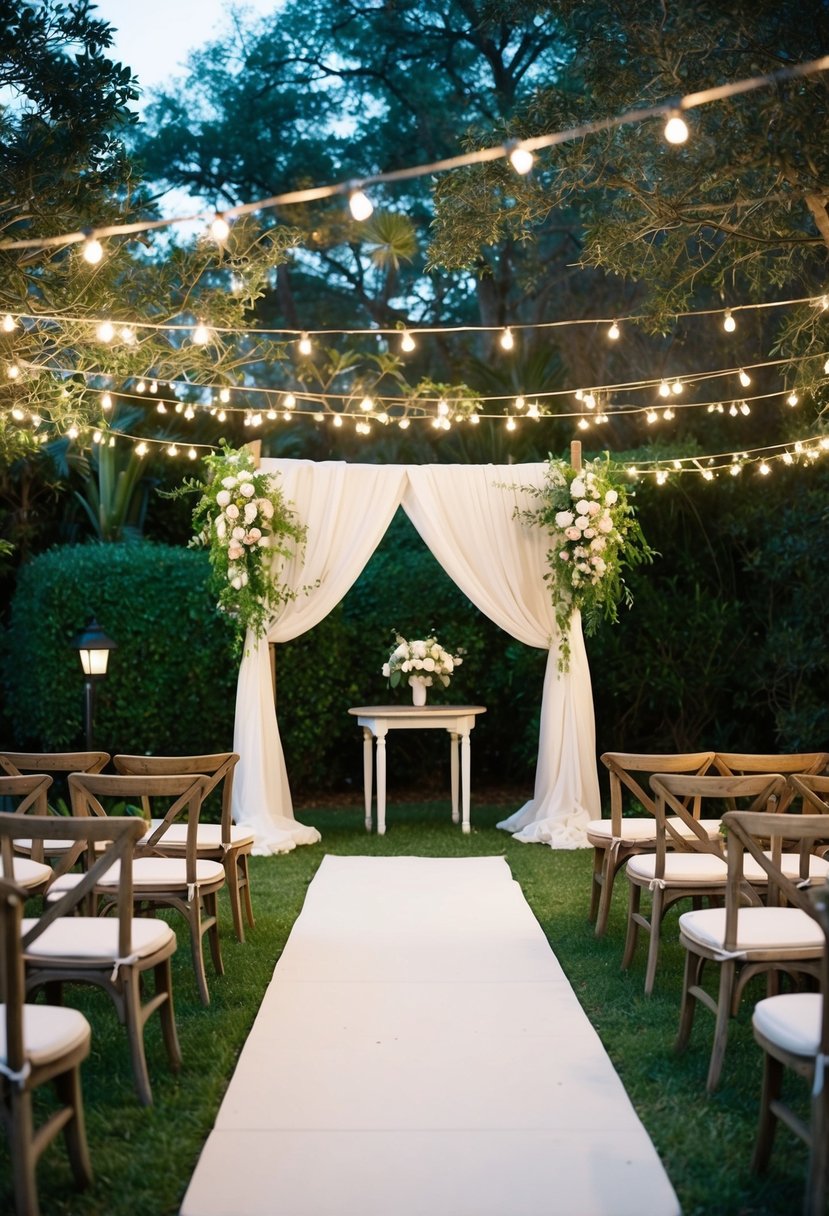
(465, 514)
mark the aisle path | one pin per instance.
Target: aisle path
(420, 1052)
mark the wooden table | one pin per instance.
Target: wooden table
(378, 720)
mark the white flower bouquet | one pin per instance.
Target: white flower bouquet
(594, 535)
(423, 658)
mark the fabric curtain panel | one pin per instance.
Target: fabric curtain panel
(466, 516)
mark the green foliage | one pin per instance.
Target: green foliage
(171, 682)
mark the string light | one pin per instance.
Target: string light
(745, 378)
(141, 387)
(93, 251)
(366, 405)
(404, 424)
(360, 205)
(792, 398)
(141, 449)
(9, 323)
(664, 389)
(676, 129)
(826, 368)
(224, 396)
(13, 371)
(507, 340)
(304, 345)
(728, 322)
(154, 386)
(192, 454)
(407, 342)
(614, 332)
(338, 421)
(511, 424)
(201, 335)
(765, 469)
(289, 401)
(519, 403)
(161, 408)
(677, 387)
(106, 402)
(219, 228)
(128, 336)
(521, 158)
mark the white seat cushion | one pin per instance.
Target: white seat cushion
(759, 929)
(50, 847)
(680, 868)
(158, 873)
(711, 827)
(27, 873)
(791, 1020)
(634, 831)
(48, 1032)
(209, 835)
(789, 864)
(95, 938)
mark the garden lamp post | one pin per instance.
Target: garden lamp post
(93, 647)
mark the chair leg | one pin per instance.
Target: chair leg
(68, 1086)
(657, 912)
(691, 975)
(194, 919)
(134, 1022)
(727, 974)
(211, 907)
(596, 882)
(767, 1126)
(23, 1156)
(244, 883)
(611, 864)
(232, 878)
(632, 935)
(166, 1011)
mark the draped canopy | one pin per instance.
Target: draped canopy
(466, 516)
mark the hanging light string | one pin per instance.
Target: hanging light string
(354, 190)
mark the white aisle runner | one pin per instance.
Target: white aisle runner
(419, 1052)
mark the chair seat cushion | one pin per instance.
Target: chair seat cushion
(95, 938)
(50, 847)
(789, 864)
(209, 835)
(758, 929)
(643, 831)
(150, 873)
(791, 1021)
(27, 873)
(680, 868)
(49, 1031)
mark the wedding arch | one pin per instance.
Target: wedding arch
(466, 515)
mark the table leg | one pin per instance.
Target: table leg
(453, 754)
(465, 779)
(381, 783)
(368, 761)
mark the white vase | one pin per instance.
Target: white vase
(418, 686)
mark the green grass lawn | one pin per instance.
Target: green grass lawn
(143, 1159)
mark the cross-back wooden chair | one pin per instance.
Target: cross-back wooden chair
(792, 1029)
(616, 839)
(687, 863)
(813, 792)
(741, 764)
(58, 765)
(187, 883)
(114, 953)
(23, 795)
(38, 1043)
(747, 937)
(225, 841)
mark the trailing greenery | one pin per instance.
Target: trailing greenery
(705, 1143)
(172, 680)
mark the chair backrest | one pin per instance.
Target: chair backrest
(58, 764)
(743, 763)
(118, 835)
(181, 796)
(219, 767)
(676, 793)
(31, 789)
(630, 771)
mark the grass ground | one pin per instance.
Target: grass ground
(143, 1159)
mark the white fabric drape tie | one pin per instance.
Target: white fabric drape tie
(128, 961)
(656, 884)
(17, 1078)
(821, 1062)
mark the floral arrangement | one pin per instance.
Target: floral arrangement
(423, 658)
(594, 536)
(244, 520)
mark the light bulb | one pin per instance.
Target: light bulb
(664, 389)
(407, 342)
(677, 387)
(507, 340)
(511, 424)
(304, 345)
(788, 458)
(826, 368)
(661, 477)
(93, 251)
(201, 334)
(13, 371)
(192, 453)
(128, 336)
(532, 412)
(764, 469)
(404, 424)
(583, 424)
(224, 396)
(360, 205)
(735, 469)
(728, 322)
(106, 402)
(474, 419)
(141, 387)
(745, 409)
(792, 398)
(154, 386)
(366, 405)
(668, 414)
(676, 129)
(338, 420)
(256, 420)
(289, 401)
(651, 416)
(161, 408)
(589, 401)
(221, 416)
(18, 414)
(287, 415)
(219, 229)
(72, 432)
(443, 408)
(521, 159)
(9, 323)
(141, 449)
(614, 332)
(733, 411)
(519, 403)
(96, 436)
(172, 450)
(745, 378)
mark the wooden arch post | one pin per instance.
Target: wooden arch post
(575, 454)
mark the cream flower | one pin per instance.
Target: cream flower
(223, 498)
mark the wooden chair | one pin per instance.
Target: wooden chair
(38, 1043)
(31, 791)
(187, 883)
(616, 839)
(742, 764)
(688, 863)
(225, 841)
(58, 765)
(813, 792)
(793, 1031)
(748, 938)
(114, 953)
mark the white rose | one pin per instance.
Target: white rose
(238, 533)
(588, 532)
(253, 537)
(418, 650)
(564, 555)
(577, 489)
(386, 670)
(236, 582)
(598, 544)
(605, 524)
(232, 511)
(401, 652)
(610, 497)
(435, 652)
(234, 551)
(564, 518)
(572, 533)
(449, 662)
(429, 663)
(247, 489)
(263, 542)
(250, 512)
(223, 498)
(583, 506)
(582, 522)
(593, 508)
(266, 507)
(406, 665)
(229, 483)
(245, 475)
(599, 564)
(418, 664)
(221, 527)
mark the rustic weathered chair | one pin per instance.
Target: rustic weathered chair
(58, 765)
(187, 883)
(616, 839)
(743, 764)
(38, 1043)
(793, 1030)
(21, 796)
(747, 937)
(114, 953)
(225, 842)
(688, 863)
(813, 792)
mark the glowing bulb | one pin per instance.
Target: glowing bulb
(792, 398)
(221, 416)
(36, 420)
(707, 475)
(256, 420)
(745, 409)
(664, 389)
(360, 205)
(96, 436)
(532, 412)
(106, 402)
(366, 405)
(583, 424)
(826, 368)
(728, 322)
(271, 415)
(443, 408)
(287, 415)
(172, 450)
(521, 159)
(192, 453)
(745, 378)
(289, 401)
(614, 332)
(668, 414)
(8, 323)
(651, 416)
(677, 387)
(219, 228)
(13, 371)
(93, 251)
(141, 449)
(154, 386)
(141, 387)
(589, 401)
(735, 469)
(128, 336)
(579, 395)
(407, 342)
(161, 408)
(732, 409)
(511, 424)
(474, 419)
(18, 414)
(788, 458)
(338, 420)
(72, 432)
(201, 335)
(304, 345)
(507, 340)
(519, 403)
(764, 469)
(676, 129)
(661, 477)
(224, 396)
